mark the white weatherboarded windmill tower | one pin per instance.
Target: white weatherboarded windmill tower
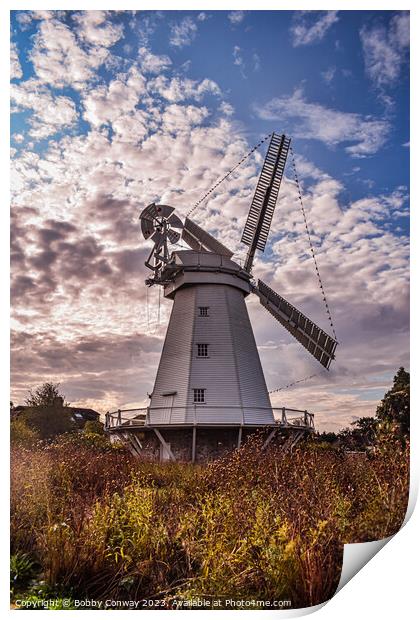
(210, 390)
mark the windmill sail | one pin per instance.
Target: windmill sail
(264, 201)
(312, 337)
(198, 238)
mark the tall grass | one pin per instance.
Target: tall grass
(264, 525)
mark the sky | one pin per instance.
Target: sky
(112, 110)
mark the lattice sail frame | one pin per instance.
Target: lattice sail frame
(261, 212)
(313, 338)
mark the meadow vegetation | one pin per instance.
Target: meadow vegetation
(90, 520)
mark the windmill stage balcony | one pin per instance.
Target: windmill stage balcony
(201, 416)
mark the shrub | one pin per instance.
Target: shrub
(21, 433)
(22, 568)
(94, 427)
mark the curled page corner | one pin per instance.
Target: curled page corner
(356, 555)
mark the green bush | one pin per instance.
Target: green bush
(94, 427)
(23, 434)
(22, 568)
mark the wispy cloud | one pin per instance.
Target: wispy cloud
(183, 32)
(332, 127)
(237, 56)
(256, 62)
(50, 113)
(152, 63)
(15, 68)
(236, 17)
(179, 89)
(328, 74)
(385, 50)
(59, 59)
(96, 29)
(311, 26)
(238, 60)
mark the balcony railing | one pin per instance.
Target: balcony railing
(199, 415)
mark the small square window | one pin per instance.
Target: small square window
(199, 395)
(203, 311)
(202, 350)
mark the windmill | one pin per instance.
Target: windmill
(210, 389)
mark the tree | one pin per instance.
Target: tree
(363, 433)
(44, 395)
(395, 405)
(392, 416)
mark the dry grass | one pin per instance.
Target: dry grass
(251, 525)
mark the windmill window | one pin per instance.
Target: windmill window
(202, 350)
(199, 395)
(203, 311)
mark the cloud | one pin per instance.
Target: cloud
(256, 62)
(177, 119)
(328, 74)
(236, 17)
(107, 104)
(310, 27)
(238, 60)
(60, 61)
(15, 68)
(151, 63)
(237, 57)
(50, 113)
(96, 30)
(314, 121)
(385, 50)
(183, 32)
(92, 369)
(144, 25)
(178, 89)
(227, 108)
